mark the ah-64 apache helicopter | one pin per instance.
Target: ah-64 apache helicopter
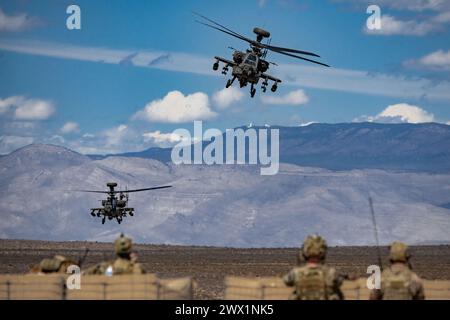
(116, 206)
(250, 66)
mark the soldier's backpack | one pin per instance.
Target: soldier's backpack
(397, 285)
(311, 283)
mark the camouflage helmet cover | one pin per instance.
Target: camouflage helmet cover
(123, 245)
(399, 252)
(314, 246)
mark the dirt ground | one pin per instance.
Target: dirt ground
(209, 265)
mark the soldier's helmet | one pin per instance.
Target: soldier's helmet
(123, 245)
(399, 252)
(314, 246)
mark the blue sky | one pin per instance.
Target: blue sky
(137, 70)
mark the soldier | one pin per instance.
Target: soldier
(314, 280)
(399, 282)
(124, 263)
(57, 264)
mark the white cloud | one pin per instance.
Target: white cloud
(69, 127)
(392, 26)
(225, 97)
(34, 109)
(438, 60)
(57, 138)
(118, 139)
(16, 22)
(175, 107)
(296, 97)
(164, 139)
(410, 5)
(443, 17)
(424, 16)
(11, 143)
(159, 137)
(27, 109)
(401, 112)
(8, 103)
(115, 136)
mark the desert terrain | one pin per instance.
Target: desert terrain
(209, 265)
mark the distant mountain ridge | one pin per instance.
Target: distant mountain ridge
(344, 146)
(217, 205)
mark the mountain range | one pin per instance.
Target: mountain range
(346, 146)
(328, 173)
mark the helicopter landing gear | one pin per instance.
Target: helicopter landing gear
(264, 86)
(215, 66)
(103, 220)
(225, 70)
(274, 88)
(252, 91)
(230, 82)
(119, 220)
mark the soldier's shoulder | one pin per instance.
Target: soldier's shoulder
(99, 268)
(138, 269)
(329, 270)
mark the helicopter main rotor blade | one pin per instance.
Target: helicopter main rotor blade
(253, 42)
(92, 191)
(290, 50)
(144, 189)
(227, 32)
(298, 57)
(222, 26)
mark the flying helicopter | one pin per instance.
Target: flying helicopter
(251, 65)
(115, 205)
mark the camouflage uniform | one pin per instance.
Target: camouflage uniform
(57, 264)
(314, 280)
(399, 282)
(124, 263)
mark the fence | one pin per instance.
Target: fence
(150, 287)
(241, 288)
(95, 287)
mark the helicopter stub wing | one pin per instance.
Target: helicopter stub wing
(228, 62)
(265, 76)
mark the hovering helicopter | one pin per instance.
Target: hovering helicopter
(116, 206)
(250, 66)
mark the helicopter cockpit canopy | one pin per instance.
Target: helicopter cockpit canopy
(251, 59)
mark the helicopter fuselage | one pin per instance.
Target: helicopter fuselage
(247, 67)
(115, 205)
